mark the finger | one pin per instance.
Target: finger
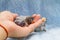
(15, 15)
(10, 13)
(37, 17)
(34, 15)
(34, 25)
(40, 21)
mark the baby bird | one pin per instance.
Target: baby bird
(27, 20)
(24, 20)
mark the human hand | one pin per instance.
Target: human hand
(15, 30)
(7, 15)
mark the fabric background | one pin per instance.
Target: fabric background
(47, 8)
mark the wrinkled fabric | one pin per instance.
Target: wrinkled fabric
(47, 8)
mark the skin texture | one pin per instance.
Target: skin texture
(7, 20)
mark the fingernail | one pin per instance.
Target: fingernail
(43, 19)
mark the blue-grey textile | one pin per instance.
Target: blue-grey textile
(47, 8)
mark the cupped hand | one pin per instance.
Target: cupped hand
(15, 30)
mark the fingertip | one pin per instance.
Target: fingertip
(37, 17)
(34, 15)
(15, 15)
